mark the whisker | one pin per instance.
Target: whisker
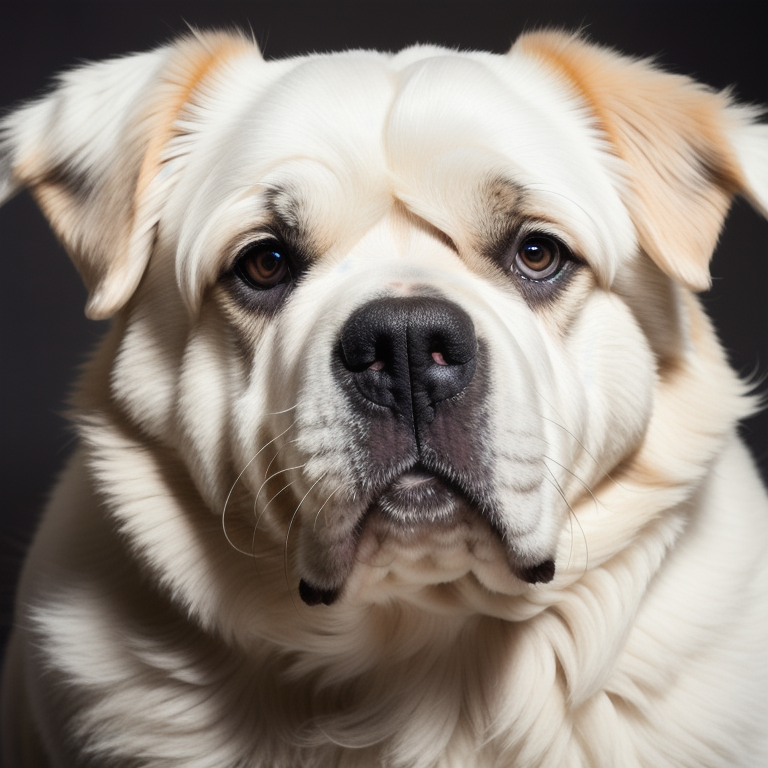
(293, 516)
(606, 473)
(574, 475)
(237, 480)
(274, 474)
(272, 461)
(277, 413)
(264, 509)
(575, 517)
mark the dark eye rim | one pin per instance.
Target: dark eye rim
(271, 245)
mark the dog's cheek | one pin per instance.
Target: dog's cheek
(283, 429)
(617, 371)
(522, 386)
(324, 429)
(144, 376)
(656, 303)
(210, 380)
(177, 378)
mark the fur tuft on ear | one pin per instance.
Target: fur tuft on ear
(92, 150)
(688, 149)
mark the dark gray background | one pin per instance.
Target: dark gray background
(44, 333)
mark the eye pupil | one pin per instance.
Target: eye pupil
(267, 263)
(262, 266)
(539, 257)
(536, 256)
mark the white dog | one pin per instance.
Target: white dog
(410, 444)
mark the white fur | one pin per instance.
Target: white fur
(159, 620)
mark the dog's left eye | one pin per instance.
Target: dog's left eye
(540, 257)
(263, 265)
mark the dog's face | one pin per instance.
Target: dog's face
(399, 314)
(413, 298)
(413, 304)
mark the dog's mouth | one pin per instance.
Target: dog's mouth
(419, 497)
(417, 506)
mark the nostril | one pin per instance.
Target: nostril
(438, 358)
(368, 342)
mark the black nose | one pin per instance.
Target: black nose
(408, 354)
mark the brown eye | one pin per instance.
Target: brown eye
(263, 265)
(539, 257)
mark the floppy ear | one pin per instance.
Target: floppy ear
(688, 149)
(92, 150)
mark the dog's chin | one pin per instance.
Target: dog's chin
(421, 511)
(416, 502)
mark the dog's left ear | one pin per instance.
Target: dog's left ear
(94, 154)
(688, 149)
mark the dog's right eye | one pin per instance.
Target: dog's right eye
(263, 265)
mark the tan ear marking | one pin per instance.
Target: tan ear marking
(101, 202)
(194, 60)
(672, 133)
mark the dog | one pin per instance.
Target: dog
(410, 444)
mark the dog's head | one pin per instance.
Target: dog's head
(401, 315)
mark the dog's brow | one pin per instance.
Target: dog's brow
(283, 207)
(505, 195)
(282, 203)
(503, 203)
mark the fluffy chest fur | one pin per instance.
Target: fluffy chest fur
(410, 444)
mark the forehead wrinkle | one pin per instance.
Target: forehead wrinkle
(406, 225)
(343, 101)
(441, 149)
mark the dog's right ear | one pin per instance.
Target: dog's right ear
(686, 149)
(92, 151)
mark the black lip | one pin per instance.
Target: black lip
(312, 595)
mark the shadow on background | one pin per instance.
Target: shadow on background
(44, 332)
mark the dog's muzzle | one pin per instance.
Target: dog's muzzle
(415, 375)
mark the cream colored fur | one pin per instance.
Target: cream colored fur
(159, 621)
